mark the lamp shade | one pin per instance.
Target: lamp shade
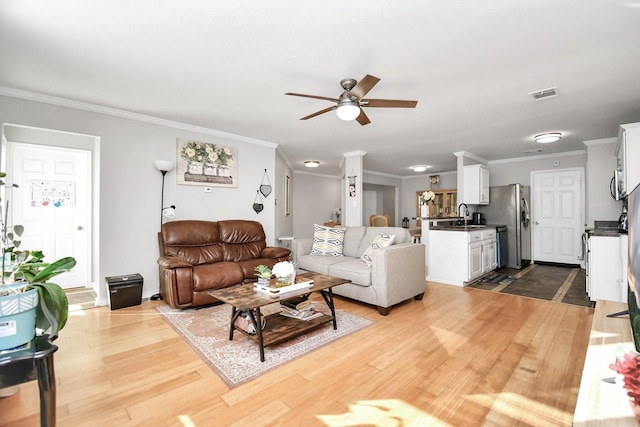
(169, 212)
(163, 165)
(348, 110)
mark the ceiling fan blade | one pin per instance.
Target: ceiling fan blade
(364, 86)
(312, 96)
(388, 103)
(362, 118)
(317, 113)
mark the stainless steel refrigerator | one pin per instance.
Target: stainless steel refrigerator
(509, 205)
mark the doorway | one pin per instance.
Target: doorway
(557, 215)
(379, 199)
(55, 200)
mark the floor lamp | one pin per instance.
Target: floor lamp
(163, 166)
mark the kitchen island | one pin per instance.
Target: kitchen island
(459, 254)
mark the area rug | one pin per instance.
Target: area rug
(556, 283)
(501, 279)
(236, 362)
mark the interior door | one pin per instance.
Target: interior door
(557, 216)
(53, 204)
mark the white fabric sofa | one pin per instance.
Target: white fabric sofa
(397, 272)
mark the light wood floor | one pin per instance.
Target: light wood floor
(459, 357)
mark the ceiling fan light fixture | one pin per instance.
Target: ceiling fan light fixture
(546, 138)
(312, 163)
(420, 168)
(348, 110)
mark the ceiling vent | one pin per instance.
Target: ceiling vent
(544, 93)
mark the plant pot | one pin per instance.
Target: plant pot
(195, 168)
(18, 318)
(264, 282)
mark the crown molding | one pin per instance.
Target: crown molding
(94, 108)
(539, 157)
(600, 141)
(296, 172)
(470, 155)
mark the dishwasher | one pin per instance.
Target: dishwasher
(502, 248)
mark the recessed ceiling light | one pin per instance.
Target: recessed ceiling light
(420, 168)
(312, 163)
(545, 138)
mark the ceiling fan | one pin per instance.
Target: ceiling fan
(349, 105)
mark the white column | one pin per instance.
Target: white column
(352, 214)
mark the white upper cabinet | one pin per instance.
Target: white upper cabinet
(476, 185)
(629, 155)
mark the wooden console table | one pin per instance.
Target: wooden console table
(602, 403)
(34, 362)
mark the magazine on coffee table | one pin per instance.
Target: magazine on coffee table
(275, 291)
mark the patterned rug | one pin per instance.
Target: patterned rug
(238, 361)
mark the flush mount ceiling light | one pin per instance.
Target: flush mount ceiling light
(545, 138)
(312, 163)
(348, 110)
(420, 168)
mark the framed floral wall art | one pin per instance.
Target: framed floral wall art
(206, 164)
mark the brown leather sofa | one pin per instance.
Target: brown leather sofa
(198, 256)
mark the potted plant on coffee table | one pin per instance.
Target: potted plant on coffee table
(264, 274)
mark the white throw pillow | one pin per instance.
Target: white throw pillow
(382, 240)
(327, 241)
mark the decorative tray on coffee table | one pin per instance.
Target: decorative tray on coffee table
(272, 289)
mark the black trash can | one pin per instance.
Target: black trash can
(124, 291)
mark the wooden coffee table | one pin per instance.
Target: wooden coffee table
(245, 298)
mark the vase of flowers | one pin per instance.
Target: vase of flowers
(425, 198)
(629, 367)
(336, 213)
(285, 273)
(210, 169)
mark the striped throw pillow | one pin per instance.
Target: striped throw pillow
(327, 241)
(382, 240)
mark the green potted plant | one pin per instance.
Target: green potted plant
(51, 308)
(30, 301)
(264, 274)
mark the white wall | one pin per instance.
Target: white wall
(518, 171)
(315, 197)
(129, 198)
(601, 162)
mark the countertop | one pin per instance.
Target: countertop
(604, 232)
(472, 227)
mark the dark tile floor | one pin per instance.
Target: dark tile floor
(563, 284)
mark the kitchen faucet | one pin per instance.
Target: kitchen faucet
(466, 210)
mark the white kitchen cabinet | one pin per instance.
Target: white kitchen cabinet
(457, 257)
(476, 185)
(475, 260)
(605, 268)
(628, 152)
(489, 251)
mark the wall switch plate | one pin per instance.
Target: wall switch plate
(208, 190)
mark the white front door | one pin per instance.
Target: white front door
(557, 217)
(53, 204)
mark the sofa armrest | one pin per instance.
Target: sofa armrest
(275, 252)
(398, 272)
(170, 262)
(300, 247)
